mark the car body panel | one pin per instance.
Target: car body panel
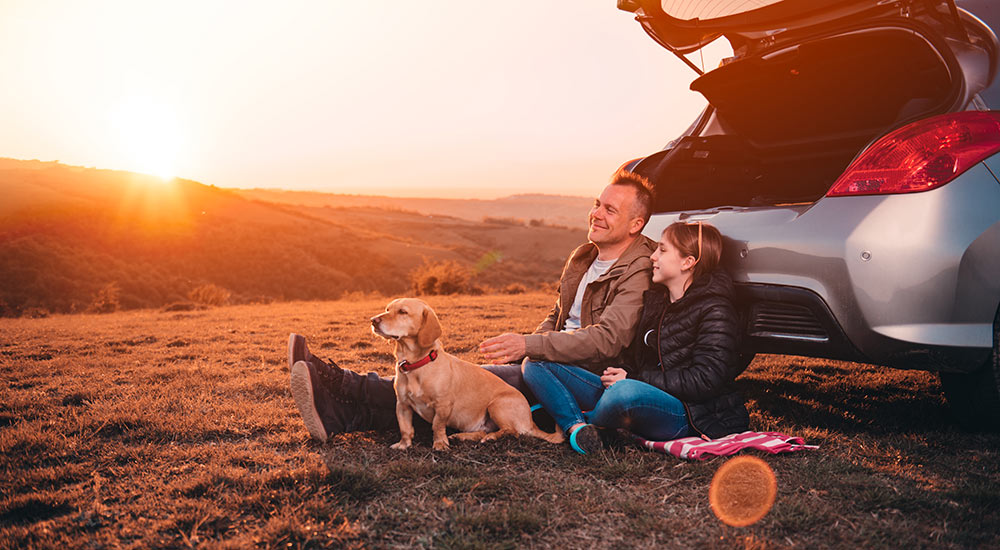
(910, 279)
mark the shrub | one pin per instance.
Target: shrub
(35, 313)
(478, 290)
(503, 221)
(107, 299)
(182, 306)
(515, 288)
(209, 295)
(440, 278)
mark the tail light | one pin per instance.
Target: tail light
(923, 155)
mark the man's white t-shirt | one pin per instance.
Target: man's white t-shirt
(597, 268)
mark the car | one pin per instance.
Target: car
(849, 155)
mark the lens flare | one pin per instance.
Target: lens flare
(742, 491)
(487, 260)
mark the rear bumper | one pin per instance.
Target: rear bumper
(795, 321)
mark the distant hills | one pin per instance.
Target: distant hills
(550, 209)
(68, 234)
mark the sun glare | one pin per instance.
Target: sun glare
(148, 136)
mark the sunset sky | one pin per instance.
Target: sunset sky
(433, 98)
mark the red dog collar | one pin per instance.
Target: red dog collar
(408, 366)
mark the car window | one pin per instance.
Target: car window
(991, 96)
(710, 9)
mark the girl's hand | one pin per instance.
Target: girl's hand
(612, 375)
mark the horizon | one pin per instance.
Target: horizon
(284, 190)
(414, 101)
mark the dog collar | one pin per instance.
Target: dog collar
(408, 366)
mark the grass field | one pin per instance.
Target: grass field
(156, 429)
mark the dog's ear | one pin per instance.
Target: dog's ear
(430, 329)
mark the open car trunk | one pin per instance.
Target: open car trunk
(783, 125)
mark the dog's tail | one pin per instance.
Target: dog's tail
(554, 437)
(535, 431)
(511, 414)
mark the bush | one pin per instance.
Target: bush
(35, 313)
(7, 310)
(503, 221)
(515, 288)
(210, 295)
(107, 299)
(182, 306)
(478, 290)
(440, 278)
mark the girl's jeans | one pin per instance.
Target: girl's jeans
(566, 391)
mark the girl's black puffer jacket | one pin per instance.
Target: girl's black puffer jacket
(689, 349)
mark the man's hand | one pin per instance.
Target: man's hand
(612, 375)
(506, 348)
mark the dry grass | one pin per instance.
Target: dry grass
(159, 429)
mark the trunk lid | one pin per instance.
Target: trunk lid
(811, 84)
(684, 26)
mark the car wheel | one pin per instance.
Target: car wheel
(975, 397)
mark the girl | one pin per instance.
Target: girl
(682, 362)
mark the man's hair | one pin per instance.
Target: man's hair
(642, 207)
(684, 237)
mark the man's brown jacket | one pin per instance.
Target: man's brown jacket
(610, 312)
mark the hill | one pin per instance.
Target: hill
(72, 238)
(547, 209)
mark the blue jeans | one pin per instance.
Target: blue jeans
(567, 391)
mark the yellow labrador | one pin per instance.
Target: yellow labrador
(445, 390)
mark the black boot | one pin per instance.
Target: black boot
(297, 349)
(333, 400)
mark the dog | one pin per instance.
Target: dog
(445, 390)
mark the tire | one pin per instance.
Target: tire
(744, 360)
(975, 397)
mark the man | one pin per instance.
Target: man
(591, 324)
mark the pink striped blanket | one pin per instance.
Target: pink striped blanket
(696, 448)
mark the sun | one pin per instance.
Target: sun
(148, 136)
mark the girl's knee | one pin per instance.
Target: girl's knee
(619, 398)
(624, 390)
(526, 364)
(531, 369)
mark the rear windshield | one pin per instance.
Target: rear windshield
(991, 96)
(687, 10)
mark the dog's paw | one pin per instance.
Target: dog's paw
(442, 445)
(402, 446)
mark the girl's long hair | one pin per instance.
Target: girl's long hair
(700, 240)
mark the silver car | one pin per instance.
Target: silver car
(850, 158)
